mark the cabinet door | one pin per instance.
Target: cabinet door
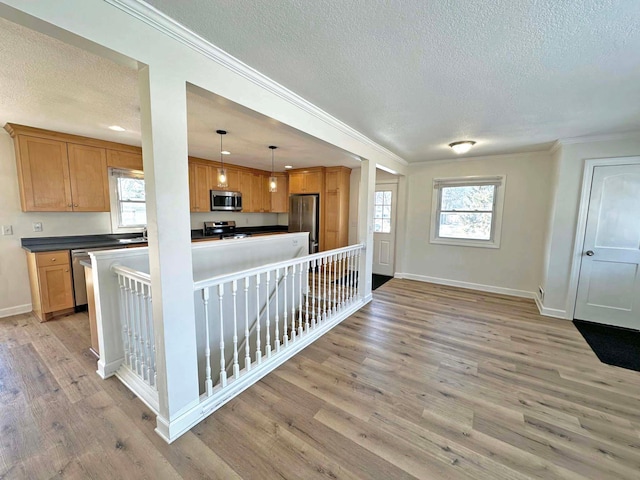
(296, 183)
(245, 184)
(56, 287)
(280, 199)
(202, 187)
(233, 178)
(89, 181)
(44, 175)
(313, 182)
(258, 186)
(129, 160)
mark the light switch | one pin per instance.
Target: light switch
(37, 226)
(7, 230)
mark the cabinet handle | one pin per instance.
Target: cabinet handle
(67, 270)
(75, 204)
(53, 259)
(69, 205)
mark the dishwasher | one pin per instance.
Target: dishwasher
(79, 283)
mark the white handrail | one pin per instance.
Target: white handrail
(131, 273)
(228, 277)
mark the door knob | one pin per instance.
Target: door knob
(589, 253)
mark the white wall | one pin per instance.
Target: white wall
(570, 166)
(515, 267)
(15, 296)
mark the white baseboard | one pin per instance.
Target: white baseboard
(472, 286)
(17, 310)
(550, 312)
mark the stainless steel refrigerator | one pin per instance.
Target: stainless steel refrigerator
(304, 216)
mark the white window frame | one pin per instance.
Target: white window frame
(114, 174)
(500, 182)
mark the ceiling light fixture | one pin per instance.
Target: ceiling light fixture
(462, 147)
(222, 172)
(116, 128)
(273, 180)
(288, 167)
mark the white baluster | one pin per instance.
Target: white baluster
(258, 343)
(306, 296)
(123, 320)
(343, 278)
(314, 270)
(223, 370)
(208, 382)
(143, 330)
(286, 323)
(133, 335)
(150, 339)
(268, 322)
(300, 326)
(293, 302)
(334, 305)
(236, 365)
(324, 269)
(153, 336)
(350, 274)
(277, 311)
(247, 345)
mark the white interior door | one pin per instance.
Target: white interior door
(384, 229)
(609, 283)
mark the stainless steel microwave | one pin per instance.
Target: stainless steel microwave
(226, 201)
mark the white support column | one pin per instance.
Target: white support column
(163, 112)
(365, 225)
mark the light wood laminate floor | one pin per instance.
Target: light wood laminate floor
(426, 382)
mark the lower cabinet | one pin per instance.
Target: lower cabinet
(51, 283)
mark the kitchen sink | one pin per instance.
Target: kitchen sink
(132, 240)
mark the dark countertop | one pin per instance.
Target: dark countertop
(49, 244)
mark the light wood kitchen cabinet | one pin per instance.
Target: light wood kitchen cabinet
(280, 199)
(126, 160)
(199, 187)
(233, 178)
(51, 283)
(260, 202)
(89, 179)
(59, 172)
(245, 182)
(336, 207)
(43, 175)
(309, 180)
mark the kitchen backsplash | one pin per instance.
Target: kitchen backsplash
(241, 219)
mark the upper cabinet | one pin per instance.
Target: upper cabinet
(280, 199)
(310, 180)
(200, 181)
(89, 180)
(43, 174)
(128, 160)
(66, 173)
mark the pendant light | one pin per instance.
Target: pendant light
(222, 172)
(273, 180)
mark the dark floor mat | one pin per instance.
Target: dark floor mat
(612, 345)
(379, 280)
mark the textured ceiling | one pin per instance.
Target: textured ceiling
(49, 84)
(415, 75)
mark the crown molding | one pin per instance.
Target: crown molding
(165, 24)
(424, 163)
(595, 138)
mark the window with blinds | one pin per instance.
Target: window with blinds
(128, 201)
(467, 211)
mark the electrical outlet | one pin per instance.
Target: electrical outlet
(7, 230)
(37, 226)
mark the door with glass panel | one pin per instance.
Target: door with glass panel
(384, 229)
(609, 282)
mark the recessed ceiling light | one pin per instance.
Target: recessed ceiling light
(288, 166)
(225, 152)
(463, 146)
(116, 128)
